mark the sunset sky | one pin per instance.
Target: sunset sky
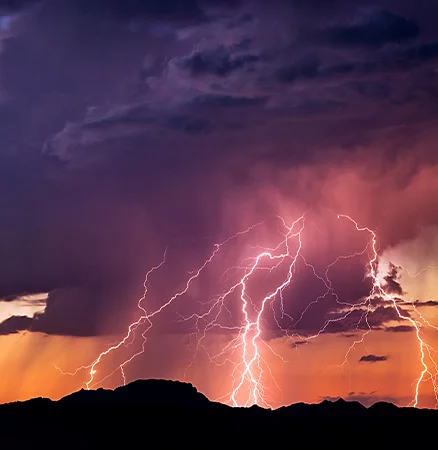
(134, 133)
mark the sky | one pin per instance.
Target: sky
(134, 131)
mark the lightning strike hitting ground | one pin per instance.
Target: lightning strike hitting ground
(379, 291)
(250, 370)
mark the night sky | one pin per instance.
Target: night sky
(133, 130)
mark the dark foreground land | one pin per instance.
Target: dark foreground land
(166, 414)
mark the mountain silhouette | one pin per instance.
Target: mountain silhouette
(171, 414)
(142, 392)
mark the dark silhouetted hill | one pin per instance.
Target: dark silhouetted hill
(142, 392)
(163, 414)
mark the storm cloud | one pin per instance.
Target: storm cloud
(372, 358)
(15, 324)
(147, 123)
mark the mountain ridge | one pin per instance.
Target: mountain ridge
(169, 390)
(177, 413)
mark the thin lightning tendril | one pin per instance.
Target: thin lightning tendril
(250, 369)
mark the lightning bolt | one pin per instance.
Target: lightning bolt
(244, 350)
(146, 317)
(251, 357)
(379, 290)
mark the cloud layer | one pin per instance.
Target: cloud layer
(128, 126)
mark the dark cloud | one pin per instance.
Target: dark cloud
(393, 285)
(419, 304)
(126, 10)
(307, 67)
(131, 134)
(420, 53)
(188, 124)
(11, 6)
(226, 101)
(373, 358)
(373, 28)
(349, 335)
(393, 61)
(70, 312)
(129, 9)
(364, 319)
(320, 311)
(374, 90)
(218, 62)
(78, 311)
(15, 324)
(384, 314)
(400, 329)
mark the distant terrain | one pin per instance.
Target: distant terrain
(164, 414)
